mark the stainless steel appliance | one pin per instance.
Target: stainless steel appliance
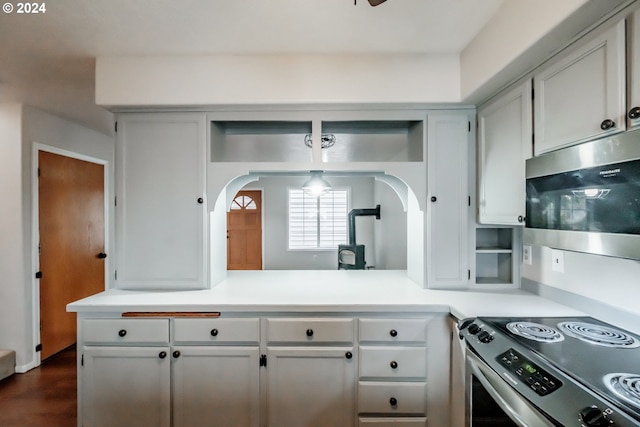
(554, 371)
(586, 198)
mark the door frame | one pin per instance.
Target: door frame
(35, 229)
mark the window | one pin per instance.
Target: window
(318, 222)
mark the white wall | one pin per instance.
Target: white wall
(21, 126)
(276, 79)
(276, 255)
(15, 323)
(391, 230)
(604, 280)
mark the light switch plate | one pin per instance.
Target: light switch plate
(557, 260)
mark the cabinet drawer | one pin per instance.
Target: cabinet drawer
(393, 362)
(393, 422)
(114, 331)
(310, 330)
(393, 330)
(392, 398)
(202, 331)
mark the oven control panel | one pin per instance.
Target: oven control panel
(529, 373)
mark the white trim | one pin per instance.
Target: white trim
(35, 235)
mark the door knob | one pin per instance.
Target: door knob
(102, 255)
(634, 113)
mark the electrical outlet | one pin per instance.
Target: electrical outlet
(526, 255)
(557, 261)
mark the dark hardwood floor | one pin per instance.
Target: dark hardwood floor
(43, 397)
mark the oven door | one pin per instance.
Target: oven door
(493, 402)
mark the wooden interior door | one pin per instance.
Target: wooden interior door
(244, 231)
(72, 230)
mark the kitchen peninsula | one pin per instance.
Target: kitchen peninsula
(268, 347)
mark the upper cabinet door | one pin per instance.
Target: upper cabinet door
(633, 113)
(504, 143)
(449, 139)
(160, 211)
(581, 94)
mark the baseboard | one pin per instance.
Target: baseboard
(21, 369)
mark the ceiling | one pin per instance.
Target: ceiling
(47, 60)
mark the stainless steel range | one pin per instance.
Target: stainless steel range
(556, 371)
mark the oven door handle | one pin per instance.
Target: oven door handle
(512, 403)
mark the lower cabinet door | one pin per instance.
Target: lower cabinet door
(126, 387)
(393, 422)
(215, 386)
(311, 386)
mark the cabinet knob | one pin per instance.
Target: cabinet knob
(393, 364)
(607, 124)
(634, 113)
(434, 198)
(393, 401)
(348, 355)
(393, 333)
(520, 218)
(200, 200)
(309, 332)
(122, 332)
(214, 332)
(101, 255)
(176, 354)
(162, 354)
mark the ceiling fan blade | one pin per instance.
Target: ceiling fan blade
(376, 2)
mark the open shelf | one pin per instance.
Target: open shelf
(260, 141)
(374, 141)
(495, 256)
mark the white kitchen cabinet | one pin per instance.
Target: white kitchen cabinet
(310, 368)
(160, 201)
(580, 94)
(448, 214)
(504, 143)
(633, 70)
(125, 387)
(310, 386)
(215, 386)
(247, 370)
(392, 371)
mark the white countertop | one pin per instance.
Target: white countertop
(324, 291)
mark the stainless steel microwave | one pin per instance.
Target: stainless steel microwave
(586, 198)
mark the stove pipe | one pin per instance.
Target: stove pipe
(352, 220)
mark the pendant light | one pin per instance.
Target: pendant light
(316, 185)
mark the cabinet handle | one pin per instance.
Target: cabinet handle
(348, 355)
(393, 364)
(176, 354)
(309, 332)
(634, 113)
(520, 218)
(393, 333)
(162, 354)
(102, 255)
(122, 332)
(214, 332)
(607, 124)
(434, 198)
(393, 401)
(200, 200)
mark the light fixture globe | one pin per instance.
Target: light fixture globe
(316, 185)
